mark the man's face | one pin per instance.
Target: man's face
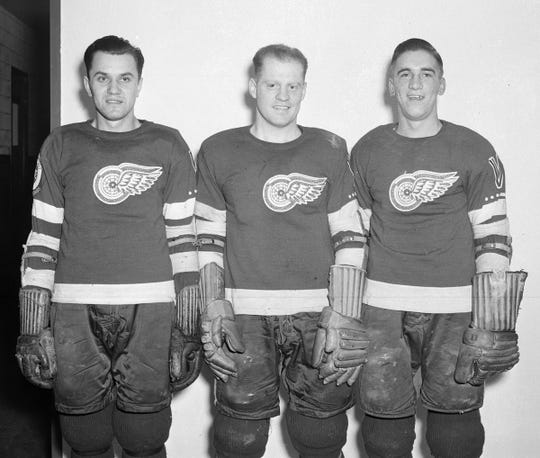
(278, 90)
(114, 84)
(416, 82)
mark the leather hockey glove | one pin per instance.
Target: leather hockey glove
(186, 349)
(218, 324)
(490, 344)
(341, 342)
(35, 345)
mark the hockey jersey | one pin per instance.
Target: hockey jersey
(276, 217)
(432, 202)
(112, 216)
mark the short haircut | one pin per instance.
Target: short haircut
(111, 44)
(281, 52)
(416, 44)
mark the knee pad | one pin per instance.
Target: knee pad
(142, 434)
(89, 435)
(388, 437)
(453, 434)
(234, 437)
(317, 437)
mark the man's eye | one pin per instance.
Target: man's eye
(293, 87)
(101, 79)
(270, 85)
(126, 79)
(428, 75)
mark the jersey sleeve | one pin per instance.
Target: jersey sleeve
(210, 213)
(41, 250)
(486, 197)
(358, 164)
(344, 221)
(178, 213)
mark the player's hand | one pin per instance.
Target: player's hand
(185, 359)
(485, 353)
(37, 358)
(218, 328)
(340, 347)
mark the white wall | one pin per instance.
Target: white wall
(195, 79)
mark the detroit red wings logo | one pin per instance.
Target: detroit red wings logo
(115, 183)
(283, 192)
(410, 190)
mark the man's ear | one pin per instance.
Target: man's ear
(442, 86)
(87, 87)
(252, 88)
(391, 87)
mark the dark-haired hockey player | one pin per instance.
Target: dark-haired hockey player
(276, 213)
(111, 248)
(434, 193)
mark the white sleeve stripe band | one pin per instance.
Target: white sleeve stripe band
(178, 231)
(35, 238)
(500, 227)
(488, 262)
(42, 277)
(179, 210)
(208, 227)
(350, 256)
(47, 212)
(346, 218)
(488, 211)
(184, 262)
(208, 257)
(210, 213)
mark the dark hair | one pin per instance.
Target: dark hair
(112, 44)
(416, 44)
(281, 52)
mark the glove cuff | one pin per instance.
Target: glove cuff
(188, 310)
(495, 299)
(346, 289)
(34, 309)
(212, 283)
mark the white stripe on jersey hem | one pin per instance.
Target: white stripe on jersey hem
(276, 302)
(47, 212)
(135, 293)
(424, 299)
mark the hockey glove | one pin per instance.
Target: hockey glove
(490, 344)
(341, 342)
(186, 350)
(35, 345)
(485, 353)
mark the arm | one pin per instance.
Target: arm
(178, 213)
(490, 344)
(35, 346)
(218, 325)
(341, 342)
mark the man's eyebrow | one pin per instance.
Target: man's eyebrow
(423, 69)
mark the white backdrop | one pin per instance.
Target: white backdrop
(195, 79)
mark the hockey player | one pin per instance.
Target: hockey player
(276, 213)
(434, 194)
(111, 247)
